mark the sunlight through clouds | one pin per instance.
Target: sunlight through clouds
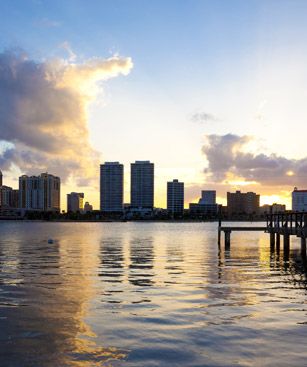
(43, 113)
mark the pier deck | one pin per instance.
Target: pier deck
(285, 224)
(233, 228)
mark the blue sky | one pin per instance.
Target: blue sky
(241, 62)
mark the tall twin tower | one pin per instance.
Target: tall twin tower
(112, 186)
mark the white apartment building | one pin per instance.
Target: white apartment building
(39, 192)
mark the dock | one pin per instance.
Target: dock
(280, 224)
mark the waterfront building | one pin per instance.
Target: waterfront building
(274, 209)
(8, 197)
(208, 197)
(299, 200)
(40, 193)
(75, 202)
(206, 204)
(175, 197)
(203, 209)
(14, 200)
(142, 185)
(111, 187)
(5, 196)
(242, 203)
(87, 207)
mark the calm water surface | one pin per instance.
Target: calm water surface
(148, 294)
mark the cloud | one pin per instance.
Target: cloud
(66, 46)
(203, 117)
(229, 159)
(43, 112)
(48, 23)
(260, 115)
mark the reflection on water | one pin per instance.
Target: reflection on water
(141, 262)
(148, 294)
(44, 295)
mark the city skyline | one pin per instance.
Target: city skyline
(208, 90)
(31, 192)
(153, 183)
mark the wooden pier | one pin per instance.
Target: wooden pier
(281, 224)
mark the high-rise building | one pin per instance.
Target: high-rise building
(242, 203)
(111, 187)
(40, 192)
(299, 200)
(75, 202)
(208, 197)
(142, 184)
(1, 178)
(175, 197)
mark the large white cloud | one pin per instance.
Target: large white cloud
(43, 112)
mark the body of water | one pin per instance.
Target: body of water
(148, 294)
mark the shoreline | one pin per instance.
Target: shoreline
(127, 221)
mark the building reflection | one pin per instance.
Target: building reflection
(112, 269)
(141, 269)
(175, 261)
(112, 260)
(47, 326)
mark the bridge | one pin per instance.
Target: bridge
(280, 224)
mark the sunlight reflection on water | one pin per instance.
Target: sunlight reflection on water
(148, 294)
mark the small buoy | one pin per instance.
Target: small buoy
(50, 240)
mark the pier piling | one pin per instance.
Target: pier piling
(286, 240)
(303, 245)
(227, 240)
(272, 240)
(277, 241)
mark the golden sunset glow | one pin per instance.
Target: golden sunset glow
(115, 98)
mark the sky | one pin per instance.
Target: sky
(213, 92)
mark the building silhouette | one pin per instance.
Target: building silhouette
(75, 202)
(111, 187)
(40, 193)
(242, 203)
(208, 197)
(87, 207)
(142, 185)
(206, 204)
(175, 197)
(274, 209)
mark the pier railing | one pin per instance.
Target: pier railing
(292, 222)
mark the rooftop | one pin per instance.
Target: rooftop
(111, 163)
